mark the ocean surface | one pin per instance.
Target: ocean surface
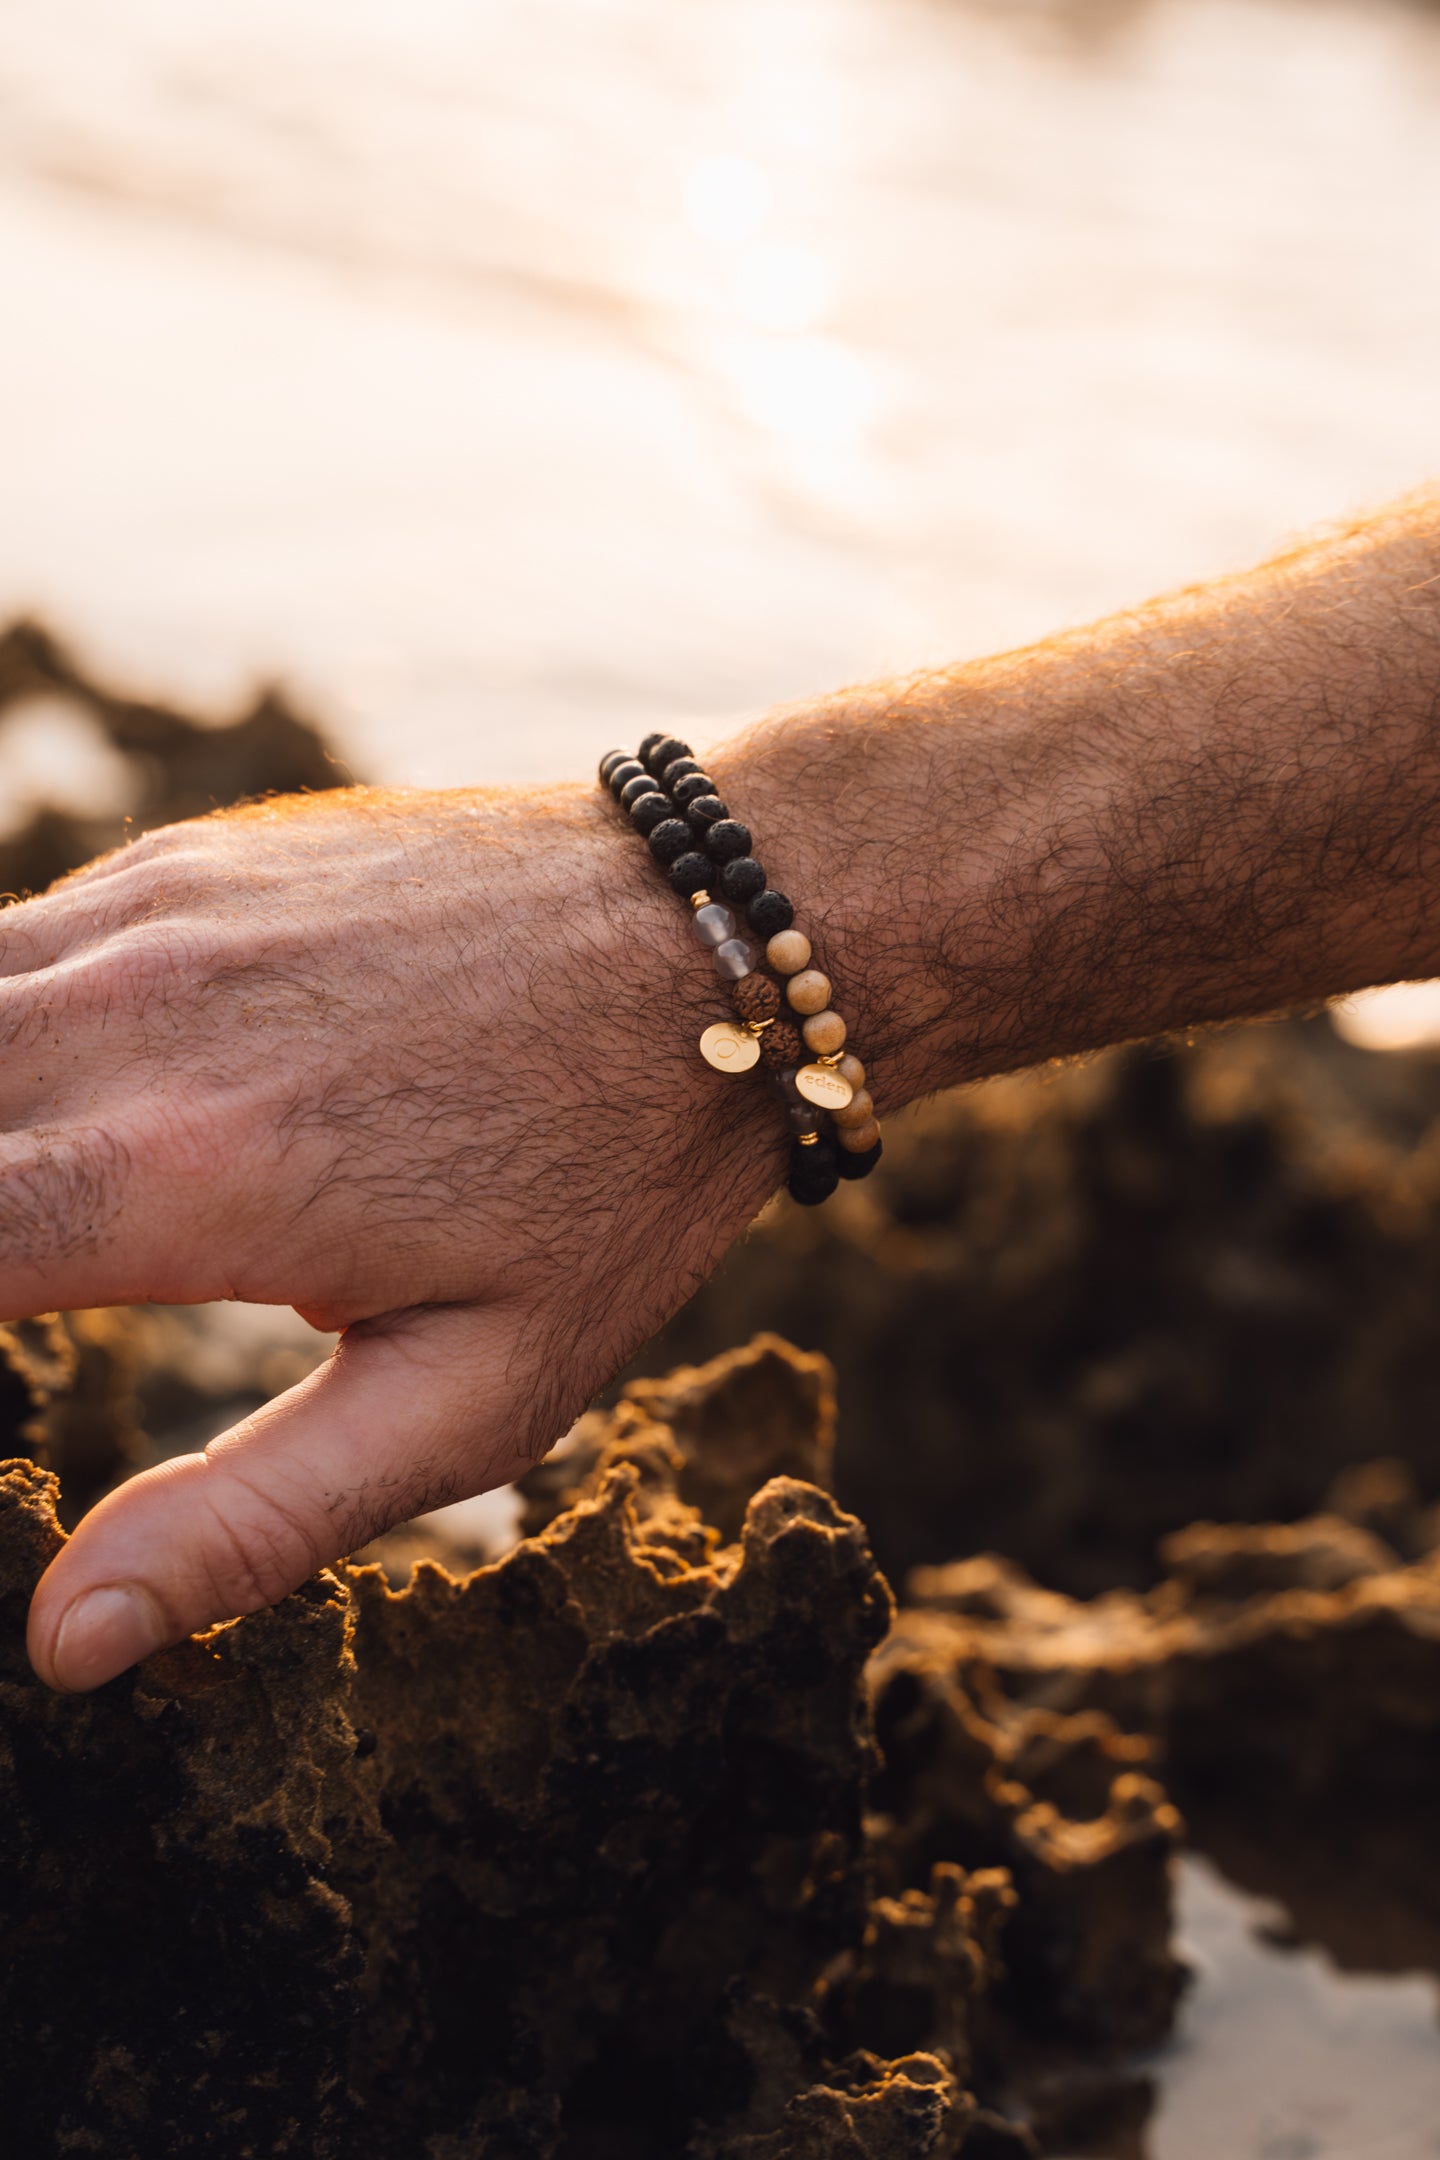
(509, 377)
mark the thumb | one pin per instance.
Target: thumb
(407, 1414)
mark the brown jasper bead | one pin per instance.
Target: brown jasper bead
(860, 1110)
(755, 997)
(858, 1139)
(824, 1032)
(851, 1069)
(788, 951)
(781, 1045)
(809, 991)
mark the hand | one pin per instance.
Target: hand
(421, 1066)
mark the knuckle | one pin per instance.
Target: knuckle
(257, 1548)
(59, 1194)
(136, 964)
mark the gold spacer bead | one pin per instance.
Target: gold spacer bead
(808, 1139)
(699, 899)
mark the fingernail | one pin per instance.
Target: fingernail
(103, 1632)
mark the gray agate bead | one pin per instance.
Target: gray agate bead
(713, 924)
(734, 959)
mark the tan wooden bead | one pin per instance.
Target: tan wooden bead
(824, 1033)
(851, 1069)
(809, 991)
(858, 1139)
(788, 951)
(858, 1111)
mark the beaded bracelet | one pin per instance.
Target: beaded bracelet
(673, 803)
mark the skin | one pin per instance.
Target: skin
(423, 1066)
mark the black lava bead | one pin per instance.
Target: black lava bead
(690, 874)
(668, 842)
(651, 742)
(813, 1175)
(680, 768)
(692, 787)
(611, 759)
(632, 790)
(768, 913)
(858, 1166)
(704, 811)
(648, 811)
(628, 769)
(727, 839)
(741, 879)
(664, 752)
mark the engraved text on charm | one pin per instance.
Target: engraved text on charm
(818, 1084)
(732, 1049)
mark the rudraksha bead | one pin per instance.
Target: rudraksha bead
(755, 997)
(741, 879)
(768, 912)
(648, 811)
(726, 840)
(668, 842)
(780, 1045)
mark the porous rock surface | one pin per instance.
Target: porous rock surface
(570, 1857)
(1075, 1310)
(1287, 1678)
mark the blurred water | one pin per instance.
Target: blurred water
(513, 377)
(1281, 2057)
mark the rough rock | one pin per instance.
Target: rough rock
(1289, 1681)
(723, 1428)
(178, 767)
(577, 1857)
(1076, 1310)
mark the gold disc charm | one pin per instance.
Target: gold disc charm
(732, 1049)
(822, 1085)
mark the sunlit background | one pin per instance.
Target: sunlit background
(513, 376)
(508, 378)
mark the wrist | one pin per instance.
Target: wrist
(889, 881)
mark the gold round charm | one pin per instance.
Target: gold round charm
(822, 1085)
(732, 1049)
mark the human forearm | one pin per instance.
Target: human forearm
(1226, 803)
(424, 1067)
